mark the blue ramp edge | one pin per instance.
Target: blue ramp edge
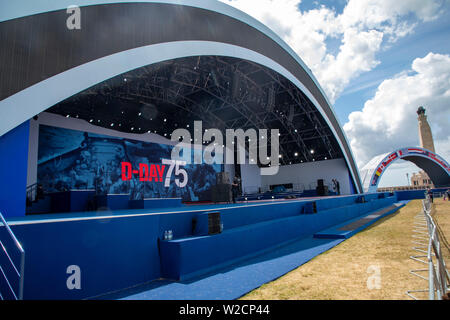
(233, 282)
(349, 228)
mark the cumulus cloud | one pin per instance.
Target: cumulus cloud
(362, 28)
(388, 120)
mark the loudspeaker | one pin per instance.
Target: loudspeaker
(322, 190)
(222, 178)
(309, 207)
(320, 182)
(214, 223)
(221, 193)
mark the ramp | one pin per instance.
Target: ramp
(349, 228)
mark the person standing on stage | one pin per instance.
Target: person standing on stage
(336, 186)
(235, 188)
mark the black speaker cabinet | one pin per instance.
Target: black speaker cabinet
(222, 178)
(214, 223)
(320, 182)
(322, 190)
(221, 193)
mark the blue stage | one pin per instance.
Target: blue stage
(119, 249)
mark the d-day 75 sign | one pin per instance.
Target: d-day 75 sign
(155, 172)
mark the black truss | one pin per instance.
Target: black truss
(223, 92)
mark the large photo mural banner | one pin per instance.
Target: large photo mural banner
(76, 160)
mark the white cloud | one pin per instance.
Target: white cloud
(388, 120)
(362, 27)
(356, 55)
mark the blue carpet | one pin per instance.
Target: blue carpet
(233, 282)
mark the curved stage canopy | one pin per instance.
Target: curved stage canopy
(435, 166)
(154, 66)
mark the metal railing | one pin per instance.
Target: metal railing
(16, 293)
(31, 192)
(427, 244)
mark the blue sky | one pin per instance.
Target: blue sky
(377, 61)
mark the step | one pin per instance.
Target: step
(247, 215)
(188, 257)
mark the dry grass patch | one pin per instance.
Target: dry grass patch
(343, 272)
(441, 215)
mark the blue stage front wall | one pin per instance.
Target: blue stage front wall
(13, 170)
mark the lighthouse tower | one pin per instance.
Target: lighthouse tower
(425, 135)
(421, 179)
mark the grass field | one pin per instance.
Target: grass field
(373, 264)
